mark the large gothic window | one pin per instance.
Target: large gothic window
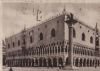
(41, 36)
(97, 41)
(74, 33)
(13, 44)
(53, 34)
(83, 36)
(91, 39)
(31, 40)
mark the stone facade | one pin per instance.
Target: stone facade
(46, 45)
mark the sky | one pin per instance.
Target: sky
(18, 15)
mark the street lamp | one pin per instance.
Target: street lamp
(70, 21)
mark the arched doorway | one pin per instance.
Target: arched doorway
(44, 62)
(76, 62)
(23, 62)
(32, 62)
(60, 61)
(26, 62)
(91, 63)
(81, 63)
(36, 62)
(29, 62)
(54, 62)
(84, 62)
(49, 62)
(67, 62)
(40, 62)
(88, 62)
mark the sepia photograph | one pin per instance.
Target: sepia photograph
(50, 36)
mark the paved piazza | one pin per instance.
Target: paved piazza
(49, 69)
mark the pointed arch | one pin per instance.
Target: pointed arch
(54, 62)
(81, 62)
(49, 62)
(44, 62)
(41, 36)
(91, 39)
(84, 62)
(83, 37)
(76, 62)
(67, 61)
(60, 61)
(40, 62)
(53, 33)
(36, 62)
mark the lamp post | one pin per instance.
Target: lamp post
(70, 21)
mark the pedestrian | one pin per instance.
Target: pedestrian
(59, 66)
(10, 69)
